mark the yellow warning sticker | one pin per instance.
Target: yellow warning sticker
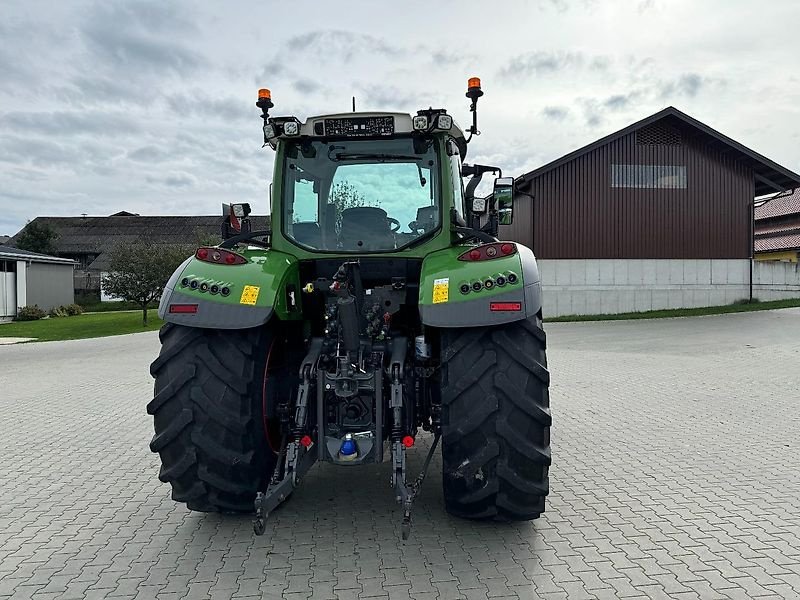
(249, 295)
(441, 290)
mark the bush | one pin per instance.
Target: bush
(29, 313)
(73, 309)
(58, 311)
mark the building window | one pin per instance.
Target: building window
(665, 177)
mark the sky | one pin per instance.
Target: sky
(149, 106)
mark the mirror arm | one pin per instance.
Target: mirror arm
(470, 233)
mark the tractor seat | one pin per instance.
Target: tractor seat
(368, 225)
(308, 233)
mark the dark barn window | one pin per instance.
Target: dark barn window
(664, 177)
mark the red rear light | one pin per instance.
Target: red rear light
(306, 441)
(408, 441)
(219, 256)
(505, 306)
(184, 309)
(489, 251)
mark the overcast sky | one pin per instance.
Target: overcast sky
(148, 106)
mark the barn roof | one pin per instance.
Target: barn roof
(780, 206)
(98, 235)
(777, 224)
(769, 176)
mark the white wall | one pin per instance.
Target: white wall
(49, 284)
(602, 286)
(22, 283)
(8, 295)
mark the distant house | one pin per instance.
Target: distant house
(777, 229)
(4, 239)
(28, 278)
(89, 240)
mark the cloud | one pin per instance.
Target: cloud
(70, 123)
(180, 180)
(148, 154)
(337, 45)
(306, 86)
(540, 63)
(379, 97)
(688, 84)
(147, 106)
(139, 36)
(555, 113)
(645, 6)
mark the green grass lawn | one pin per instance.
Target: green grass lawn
(683, 312)
(82, 326)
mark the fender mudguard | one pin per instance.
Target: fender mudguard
(443, 301)
(267, 284)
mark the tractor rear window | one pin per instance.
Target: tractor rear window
(361, 195)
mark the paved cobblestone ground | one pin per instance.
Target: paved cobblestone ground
(676, 449)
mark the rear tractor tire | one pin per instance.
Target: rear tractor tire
(207, 409)
(495, 421)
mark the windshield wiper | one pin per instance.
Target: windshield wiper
(379, 157)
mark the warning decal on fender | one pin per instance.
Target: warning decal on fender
(249, 295)
(441, 290)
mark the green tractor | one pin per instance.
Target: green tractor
(379, 303)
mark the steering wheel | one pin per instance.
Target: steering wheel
(394, 223)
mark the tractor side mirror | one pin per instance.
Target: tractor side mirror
(235, 219)
(504, 199)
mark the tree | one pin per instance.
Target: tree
(344, 195)
(38, 237)
(139, 270)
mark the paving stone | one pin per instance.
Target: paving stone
(651, 493)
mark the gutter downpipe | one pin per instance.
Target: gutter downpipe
(752, 244)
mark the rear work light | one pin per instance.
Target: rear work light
(489, 251)
(505, 306)
(183, 309)
(219, 256)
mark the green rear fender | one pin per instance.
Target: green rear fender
(267, 284)
(444, 303)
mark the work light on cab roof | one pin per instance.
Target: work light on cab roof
(366, 124)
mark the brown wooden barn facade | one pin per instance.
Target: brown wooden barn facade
(665, 187)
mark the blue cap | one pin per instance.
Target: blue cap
(348, 447)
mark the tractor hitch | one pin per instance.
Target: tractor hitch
(406, 493)
(295, 458)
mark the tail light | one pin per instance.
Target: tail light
(505, 306)
(182, 309)
(219, 256)
(489, 251)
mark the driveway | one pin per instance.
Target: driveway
(676, 446)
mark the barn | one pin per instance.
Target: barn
(657, 215)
